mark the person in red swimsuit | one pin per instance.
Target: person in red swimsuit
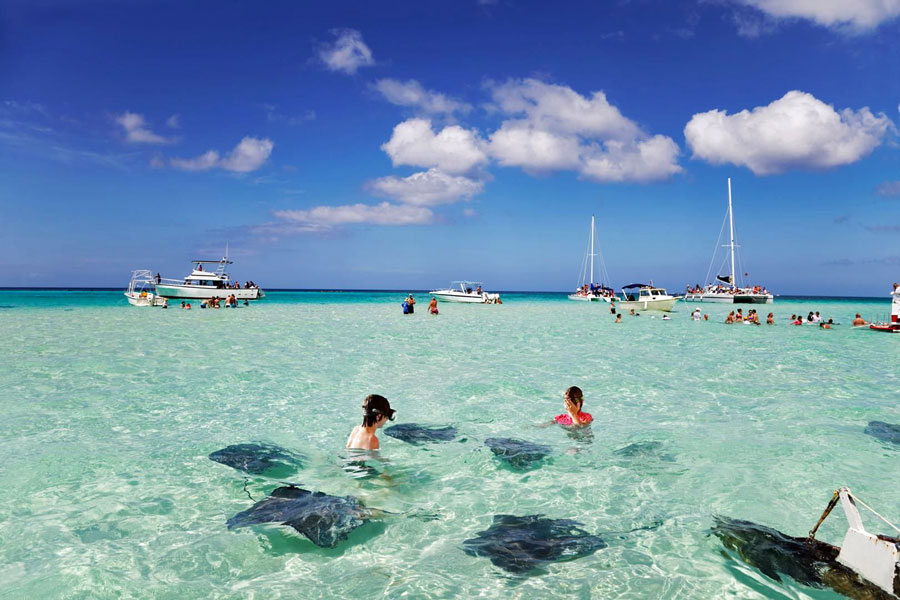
(574, 400)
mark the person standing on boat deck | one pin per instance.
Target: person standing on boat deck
(158, 278)
(412, 304)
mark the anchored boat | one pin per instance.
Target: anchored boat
(725, 288)
(205, 284)
(647, 297)
(466, 291)
(894, 325)
(140, 290)
(588, 290)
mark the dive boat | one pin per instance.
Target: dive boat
(140, 290)
(724, 289)
(461, 291)
(646, 297)
(203, 285)
(588, 291)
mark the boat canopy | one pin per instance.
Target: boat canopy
(469, 282)
(206, 276)
(212, 262)
(634, 285)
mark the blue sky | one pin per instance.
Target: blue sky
(364, 145)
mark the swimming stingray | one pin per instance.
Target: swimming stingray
(886, 432)
(258, 458)
(324, 519)
(414, 433)
(522, 544)
(518, 454)
(807, 561)
(645, 450)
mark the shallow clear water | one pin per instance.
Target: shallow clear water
(108, 413)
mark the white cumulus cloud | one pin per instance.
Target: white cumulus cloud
(347, 53)
(561, 109)
(248, 155)
(136, 130)
(428, 188)
(553, 127)
(453, 150)
(411, 93)
(855, 15)
(326, 217)
(205, 161)
(797, 131)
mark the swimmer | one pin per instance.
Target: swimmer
(666, 318)
(618, 317)
(798, 321)
(432, 306)
(376, 412)
(730, 318)
(859, 321)
(770, 319)
(574, 400)
(187, 306)
(696, 314)
(705, 317)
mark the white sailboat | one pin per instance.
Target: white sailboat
(588, 290)
(725, 289)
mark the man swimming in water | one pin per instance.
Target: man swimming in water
(376, 412)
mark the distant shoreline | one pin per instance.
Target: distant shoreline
(404, 291)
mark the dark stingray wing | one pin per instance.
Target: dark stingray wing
(282, 504)
(774, 553)
(332, 520)
(256, 458)
(521, 544)
(886, 432)
(413, 433)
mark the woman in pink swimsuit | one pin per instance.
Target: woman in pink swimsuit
(574, 400)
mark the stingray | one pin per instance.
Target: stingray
(522, 544)
(518, 454)
(807, 561)
(886, 432)
(258, 458)
(644, 450)
(413, 433)
(324, 519)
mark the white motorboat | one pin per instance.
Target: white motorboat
(140, 290)
(588, 290)
(204, 284)
(646, 297)
(466, 291)
(725, 289)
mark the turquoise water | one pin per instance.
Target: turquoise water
(108, 413)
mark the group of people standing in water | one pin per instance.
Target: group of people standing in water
(377, 412)
(409, 306)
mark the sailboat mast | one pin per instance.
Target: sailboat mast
(592, 249)
(731, 225)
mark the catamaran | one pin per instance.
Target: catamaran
(588, 290)
(725, 289)
(203, 285)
